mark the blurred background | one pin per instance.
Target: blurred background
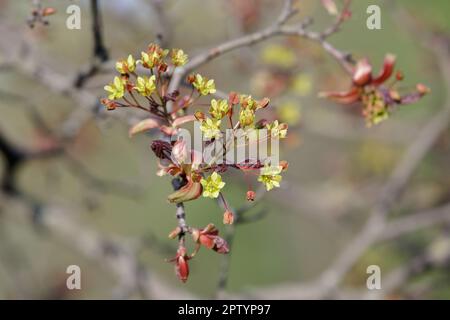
(107, 184)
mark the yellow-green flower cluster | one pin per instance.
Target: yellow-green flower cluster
(277, 130)
(145, 85)
(126, 66)
(212, 185)
(270, 176)
(116, 89)
(204, 85)
(246, 117)
(179, 58)
(211, 128)
(219, 108)
(153, 57)
(248, 108)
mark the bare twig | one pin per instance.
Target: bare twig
(100, 53)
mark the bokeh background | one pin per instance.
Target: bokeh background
(337, 165)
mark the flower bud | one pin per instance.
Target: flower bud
(200, 116)
(251, 195)
(228, 217)
(284, 165)
(190, 78)
(422, 89)
(109, 104)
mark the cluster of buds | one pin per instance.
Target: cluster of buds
(143, 84)
(378, 98)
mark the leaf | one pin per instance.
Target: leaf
(182, 120)
(192, 190)
(143, 125)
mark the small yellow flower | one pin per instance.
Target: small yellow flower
(219, 108)
(126, 66)
(145, 86)
(116, 89)
(153, 57)
(212, 185)
(179, 58)
(277, 130)
(211, 128)
(248, 102)
(203, 85)
(246, 117)
(270, 176)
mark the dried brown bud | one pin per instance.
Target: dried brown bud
(261, 124)
(190, 78)
(162, 67)
(200, 116)
(284, 165)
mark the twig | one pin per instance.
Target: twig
(279, 28)
(376, 223)
(100, 53)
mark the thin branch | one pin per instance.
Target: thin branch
(279, 28)
(100, 53)
(373, 230)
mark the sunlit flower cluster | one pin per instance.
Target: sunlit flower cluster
(143, 84)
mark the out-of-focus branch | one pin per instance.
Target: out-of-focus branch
(377, 222)
(278, 28)
(416, 221)
(240, 217)
(163, 25)
(100, 53)
(116, 254)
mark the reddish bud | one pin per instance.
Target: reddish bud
(200, 116)
(399, 76)
(261, 124)
(162, 67)
(190, 78)
(109, 104)
(284, 165)
(48, 11)
(233, 98)
(208, 237)
(251, 195)
(228, 217)
(422, 89)
(181, 264)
